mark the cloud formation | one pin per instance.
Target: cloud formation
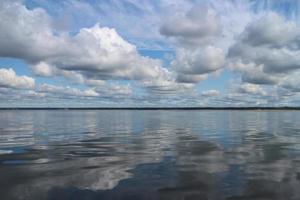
(254, 47)
(195, 33)
(9, 79)
(198, 26)
(210, 93)
(267, 54)
(91, 56)
(200, 61)
(263, 43)
(96, 52)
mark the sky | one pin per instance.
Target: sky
(142, 53)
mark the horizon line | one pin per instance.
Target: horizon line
(155, 108)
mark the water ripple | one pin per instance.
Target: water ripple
(149, 155)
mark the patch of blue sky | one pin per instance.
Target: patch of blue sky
(287, 8)
(165, 55)
(219, 82)
(18, 65)
(21, 68)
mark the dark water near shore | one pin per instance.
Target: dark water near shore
(172, 155)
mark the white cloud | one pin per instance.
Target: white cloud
(26, 34)
(9, 79)
(271, 30)
(251, 89)
(114, 89)
(262, 47)
(196, 33)
(104, 91)
(270, 43)
(196, 27)
(65, 91)
(96, 52)
(253, 73)
(291, 82)
(167, 87)
(210, 93)
(13, 86)
(267, 54)
(43, 69)
(199, 61)
(190, 78)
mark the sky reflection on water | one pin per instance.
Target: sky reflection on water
(150, 155)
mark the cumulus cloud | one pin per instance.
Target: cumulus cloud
(9, 79)
(100, 53)
(14, 87)
(207, 53)
(268, 31)
(197, 26)
(268, 46)
(253, 73)
(26, 34)
(199, 61)
(262, 48)
(91, 57)
(43, 69)
(196, 33)
(96, 52)
(267, 55)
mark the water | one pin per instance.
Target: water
(132, 155)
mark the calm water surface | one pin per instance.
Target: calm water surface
(190, 155)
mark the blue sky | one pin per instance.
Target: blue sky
(100, 53)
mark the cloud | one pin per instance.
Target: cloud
(120, 14)
(9, 79)
(251, 89)
(190, 78)
(104, 55)
(95, 53)
(261, 47)
(270, 46)
(26, 33)
(267, 55)
(203, 35)
(268, 31)
(253, 73)
(240, 93)
(65, 91)
(196, 27)
(167, 87)
(97, 91)
(92, 56)
(199, 61)
(288, 8)
(210, 93)
(43, 69)
(291, 82)
(196, 33)
(113, 90)
(14, 87)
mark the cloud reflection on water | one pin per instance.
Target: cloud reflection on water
(150, 155)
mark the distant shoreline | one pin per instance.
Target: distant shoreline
(151, 108)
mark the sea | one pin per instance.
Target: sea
(149, 154)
